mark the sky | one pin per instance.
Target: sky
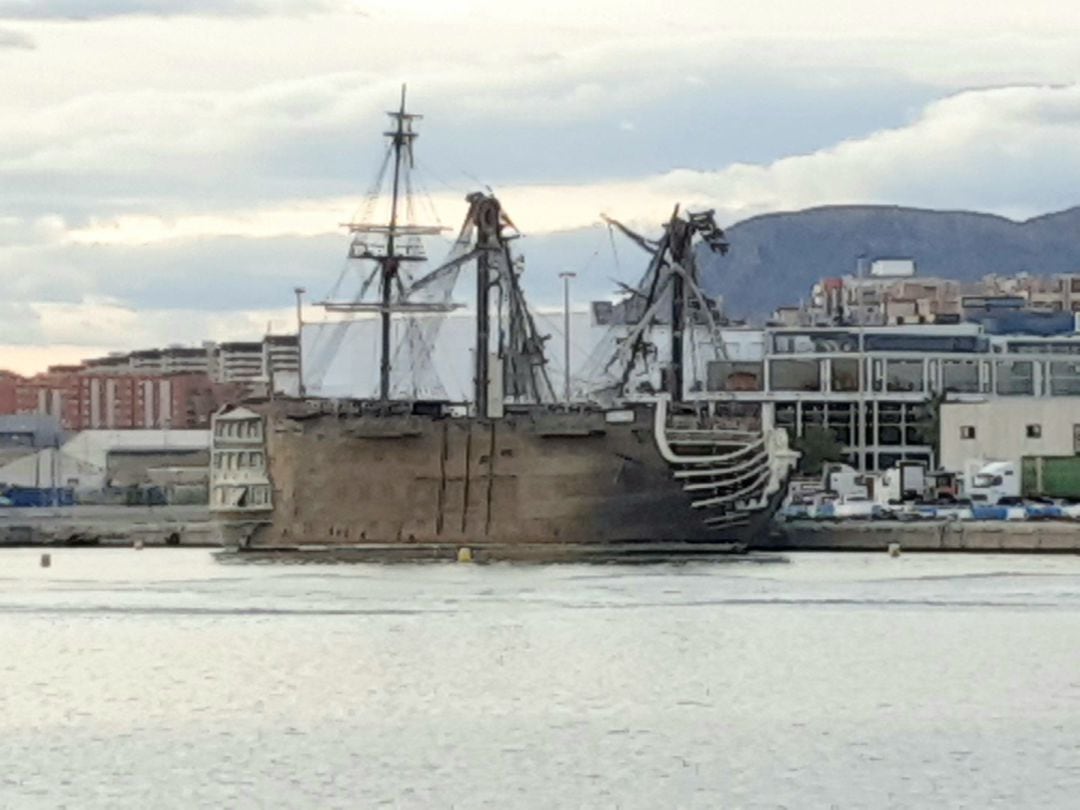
(169, 171)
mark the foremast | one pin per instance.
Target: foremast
(391, 246)
(508, 352)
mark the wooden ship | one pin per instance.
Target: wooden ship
(511, 473)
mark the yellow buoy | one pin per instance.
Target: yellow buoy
(464, 554)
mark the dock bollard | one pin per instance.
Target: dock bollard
(464, 554)
(46, 560)
(894, 549)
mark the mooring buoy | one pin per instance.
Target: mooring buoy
(894, 549)
(464, 555)
(46, 560)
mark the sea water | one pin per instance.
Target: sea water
(166, 679)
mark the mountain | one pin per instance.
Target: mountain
(775, 258)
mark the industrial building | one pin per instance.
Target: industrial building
(1008, 429)
(102, 464)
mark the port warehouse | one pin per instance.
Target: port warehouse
(42, 464)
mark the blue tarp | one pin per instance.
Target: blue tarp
(1023, 322)
(40, 496)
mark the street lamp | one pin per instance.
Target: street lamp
(566, 276)
(300, 340)
(865, 374)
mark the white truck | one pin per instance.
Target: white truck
(904, 482)
(994, 481)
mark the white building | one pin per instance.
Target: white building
(239, 362)
(1007, 429)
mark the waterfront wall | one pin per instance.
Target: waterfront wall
(976, 536)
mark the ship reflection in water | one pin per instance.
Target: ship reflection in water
(164, 679)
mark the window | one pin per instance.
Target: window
(904, 375)
(961, 376)
(1034, 431)
(724, 375)
(845, 374)
(1016, 377)
(967, 431)
(795, 375)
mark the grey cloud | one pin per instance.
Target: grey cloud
(104, 9)
(15, 39)
(234, 273)
(320, 137)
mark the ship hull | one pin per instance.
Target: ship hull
(538, 482)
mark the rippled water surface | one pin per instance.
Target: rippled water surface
(165, 679)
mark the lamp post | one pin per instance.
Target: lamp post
(865, 374)
(300, 340)
(566, 276)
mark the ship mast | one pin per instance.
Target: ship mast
(672, 276)
(516, 370)
(402, 139)
(389, 246)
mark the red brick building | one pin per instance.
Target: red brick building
(83, 399)
(9, 382)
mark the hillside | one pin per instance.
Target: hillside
(775, 258)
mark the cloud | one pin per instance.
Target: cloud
(94, 325)
(139, 179)
(1014, 151)
(27, 360)
(83, 10)
(164, 152)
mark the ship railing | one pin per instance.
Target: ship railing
(672, 456)
(714, 441)
(703, 472)
(727, 520)
(745, 472)
(717, 436)
(732, 497)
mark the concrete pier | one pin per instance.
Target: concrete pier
(108, 526)
(936, 535)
